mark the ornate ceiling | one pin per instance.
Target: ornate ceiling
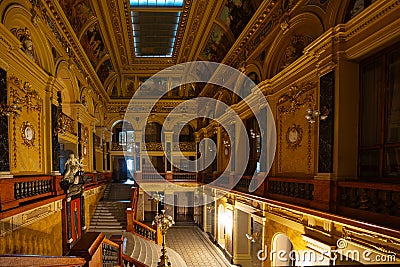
(129, 41)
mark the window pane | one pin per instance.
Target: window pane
(393, 97)
(369, 163)
(371, 103)
(122, 138)
(392, 162)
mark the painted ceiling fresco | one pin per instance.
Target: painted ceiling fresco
(78, 12)
(235, 15)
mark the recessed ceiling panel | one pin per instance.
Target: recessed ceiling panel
(154, 31)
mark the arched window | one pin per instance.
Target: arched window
(122, 133)
(153, 133)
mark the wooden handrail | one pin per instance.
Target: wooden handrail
(33, 260)
(129, 261)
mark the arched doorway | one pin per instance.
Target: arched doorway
(281, 251)
(122, 139)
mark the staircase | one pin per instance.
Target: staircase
(110, 213)
(148, 252)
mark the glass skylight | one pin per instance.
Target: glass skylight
(154, 33)
(156, 3)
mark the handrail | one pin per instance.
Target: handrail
(131, 262)
(33, 260)
(91, 250)
(144, 231)
(136, 227)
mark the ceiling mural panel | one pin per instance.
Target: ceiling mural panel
(78, 12)
(94, 45)
(218, 45)
(235, 14)
(104, 71)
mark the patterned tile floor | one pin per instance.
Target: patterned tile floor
(194, 247)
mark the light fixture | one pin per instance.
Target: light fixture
(10, 110)
(226, 143)
(254, 134)
(253, 237)
(164, 222)
(312, 115)
(157, 198)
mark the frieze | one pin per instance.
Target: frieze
(143, 107)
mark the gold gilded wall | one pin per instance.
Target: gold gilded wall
(296, 136)
(43, 237)
(26, 130)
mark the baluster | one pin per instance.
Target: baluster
(48, 186)
(34, 189)
(29, 188)
(16, 191)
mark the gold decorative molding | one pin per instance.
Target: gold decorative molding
(293, 216)
(294, 136)
(293, 97)
(185, 146)
(153, 147)
(28, 134)
(21, 92)
(289, 109)
(356, 236)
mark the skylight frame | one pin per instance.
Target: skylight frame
(156, 3)
(170, 6)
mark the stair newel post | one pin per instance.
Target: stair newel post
(129, 220)
(119, 240)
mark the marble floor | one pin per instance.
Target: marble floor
(194, 247)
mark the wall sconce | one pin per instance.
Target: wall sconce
(253, 237)
(312, 115)
(254, 134)
(226, 143)
(10, 110)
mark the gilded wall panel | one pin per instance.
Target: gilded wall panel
(36, 231)
(26, 130)
(295, 134)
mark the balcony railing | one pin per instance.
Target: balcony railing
(185, 146)
(20, 190)
(65, 124)
(186, 177)
(372, 202)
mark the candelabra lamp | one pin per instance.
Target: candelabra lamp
(157, 197)
(164, 222)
